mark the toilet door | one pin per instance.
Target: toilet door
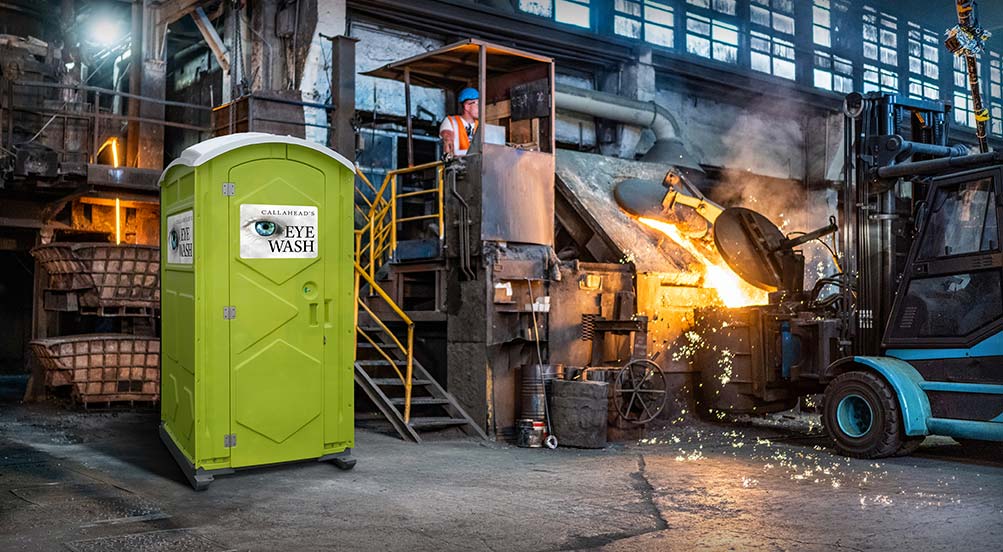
(276, 334)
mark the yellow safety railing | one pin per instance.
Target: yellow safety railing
(375, 244)
(408, 349)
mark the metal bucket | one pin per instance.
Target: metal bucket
(530, 433)
(532, 393)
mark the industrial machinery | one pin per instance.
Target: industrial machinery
(910, 343)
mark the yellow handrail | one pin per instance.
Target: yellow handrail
(376, 243)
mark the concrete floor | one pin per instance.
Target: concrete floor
(103, 481)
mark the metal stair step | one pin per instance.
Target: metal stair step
(380, 362)
(436, 422)
(397, 381)
(415, 401)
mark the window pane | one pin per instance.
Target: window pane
(783, 23)
(870, 50)
(699, 3)
(698, 25)
(760, 16)
(783, 68)
(698, 45)
(962, 220)
(626, 27)
(822, 37)
(823, 79)
(537, 7)
(574, 12)
(725, 53)
(761, 62)
(842, 84)
(656, 34)
(725, 6)
(657, 13)
(889, 56)
(955, 305)
(725, 33)
(820, 16)
(628, 7)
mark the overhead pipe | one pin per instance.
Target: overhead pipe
(668, 148)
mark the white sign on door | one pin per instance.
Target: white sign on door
(278, 232)
(181, 238)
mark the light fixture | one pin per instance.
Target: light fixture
(106, 31)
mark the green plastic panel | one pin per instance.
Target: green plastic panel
(278, 375)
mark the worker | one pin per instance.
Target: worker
(457, 131)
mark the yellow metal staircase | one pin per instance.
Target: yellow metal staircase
(385, 367)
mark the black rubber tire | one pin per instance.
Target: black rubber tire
(884, 437)
(909, 446)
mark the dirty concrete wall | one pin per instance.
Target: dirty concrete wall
(378, 46)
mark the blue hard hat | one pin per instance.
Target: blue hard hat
(468, 94)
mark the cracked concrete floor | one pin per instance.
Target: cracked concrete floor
(102, 481)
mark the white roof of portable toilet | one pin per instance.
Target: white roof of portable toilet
(214, 147)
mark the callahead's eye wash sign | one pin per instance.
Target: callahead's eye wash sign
(180, 239)
(278, 232)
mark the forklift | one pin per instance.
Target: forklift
(911, 342)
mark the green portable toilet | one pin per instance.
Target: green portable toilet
(257, 301)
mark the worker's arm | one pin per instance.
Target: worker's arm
(447, 133)
(447, 141)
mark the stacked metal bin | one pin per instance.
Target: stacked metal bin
(119, 284)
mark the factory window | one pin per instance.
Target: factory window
(572, 12)
(821, 16)
(880, 78)
(656, 26)
(923, 63)
(995, 76)
(772, 55)
(711, 38)
(964, 110)
(964, 107)
(726, 7)
(921, 89)
(833, 72)
(773, 14)
(996, 118)
(880, 34)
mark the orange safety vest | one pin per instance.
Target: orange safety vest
(461, 131)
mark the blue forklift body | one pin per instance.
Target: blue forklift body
(912, 390)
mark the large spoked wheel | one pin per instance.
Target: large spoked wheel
(862, 415)
(639, 391)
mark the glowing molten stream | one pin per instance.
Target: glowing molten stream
(731, 289)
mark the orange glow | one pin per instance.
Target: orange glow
(730, 287)
(113, 144)
(118, 222)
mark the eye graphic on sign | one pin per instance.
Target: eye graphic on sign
(265, 228)
(174, 239)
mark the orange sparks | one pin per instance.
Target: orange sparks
(731, 289)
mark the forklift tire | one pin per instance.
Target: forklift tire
(862, 415)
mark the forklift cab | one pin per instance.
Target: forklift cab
(503, 189)
(950, 295)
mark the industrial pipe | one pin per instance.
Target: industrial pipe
(937, 165)
(668, 146)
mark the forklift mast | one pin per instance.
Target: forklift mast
(882, 130)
